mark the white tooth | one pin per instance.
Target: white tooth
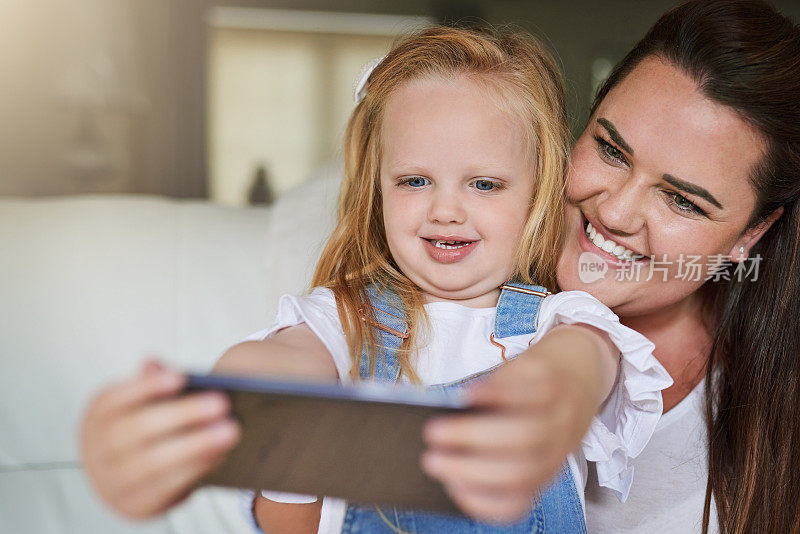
(447, 245)
(638, 256)
(589, 227)
(598, 240)
(592, 233)
(619, 249)
(627, 254)
(608, 246)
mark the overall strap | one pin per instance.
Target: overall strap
(517, 309)
(389, 330)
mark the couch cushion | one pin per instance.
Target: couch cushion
(91, 284)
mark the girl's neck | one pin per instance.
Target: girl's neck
(486, 300)
(683, 345)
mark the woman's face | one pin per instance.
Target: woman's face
(660, 172)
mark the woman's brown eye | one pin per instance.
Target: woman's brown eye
(613, 152)
(682, 202)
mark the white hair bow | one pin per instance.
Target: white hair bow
(360, 90)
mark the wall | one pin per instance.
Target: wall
(148, 57)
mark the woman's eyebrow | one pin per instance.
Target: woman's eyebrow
(692, 189)
(614, 134)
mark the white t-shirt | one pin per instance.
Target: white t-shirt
(669, 491)
(458, 346)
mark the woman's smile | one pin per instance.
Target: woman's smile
(661, 175)
(614, 253)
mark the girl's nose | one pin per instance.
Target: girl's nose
(446, 208)
(622, 210)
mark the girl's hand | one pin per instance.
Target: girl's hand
(535, 411)
(144, 447)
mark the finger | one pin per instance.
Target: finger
(186, 452)
(172, 416)
(137, 391)
(500, 474)
(170, 488)
(151, 365)
(494, 433)
(491, 507)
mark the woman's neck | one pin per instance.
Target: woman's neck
(683, 345)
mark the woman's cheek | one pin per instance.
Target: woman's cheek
(584, 178)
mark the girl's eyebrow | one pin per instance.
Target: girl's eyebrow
(614, 134)
(692, 189)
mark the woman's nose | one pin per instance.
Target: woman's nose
(622, 210)
(446, 208)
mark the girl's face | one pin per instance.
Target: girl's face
(664, 172)
(456, 180)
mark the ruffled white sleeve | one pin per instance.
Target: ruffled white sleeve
(627, 420)
(318, 311)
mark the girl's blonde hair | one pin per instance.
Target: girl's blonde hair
(522, 77)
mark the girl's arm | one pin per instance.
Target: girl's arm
(540, 406)
(295, 352)
(281, 518)
(302, 354)
(145, 446)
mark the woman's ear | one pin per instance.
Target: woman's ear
(741, 249)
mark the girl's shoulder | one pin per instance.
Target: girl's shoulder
(316, 307)
(320, 296)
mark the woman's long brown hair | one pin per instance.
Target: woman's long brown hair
(518, 74)
(745, 55)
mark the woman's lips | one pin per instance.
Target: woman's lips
(448, 255)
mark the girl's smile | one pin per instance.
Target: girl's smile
(448, 249)
(456, 182)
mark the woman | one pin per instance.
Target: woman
(693, 150)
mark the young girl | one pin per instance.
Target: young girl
(454, 165)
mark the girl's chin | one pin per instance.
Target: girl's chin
(469, 297)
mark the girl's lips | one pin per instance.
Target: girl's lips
(588, 246)
(448, 255)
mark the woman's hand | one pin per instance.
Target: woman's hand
(144, 447)
(534, 412)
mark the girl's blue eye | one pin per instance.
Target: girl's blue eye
(485, 185)
(417, 181)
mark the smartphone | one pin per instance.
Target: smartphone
(359, 442)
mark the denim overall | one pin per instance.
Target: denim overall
(558, 510)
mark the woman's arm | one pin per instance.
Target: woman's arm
(145, 444)
(539, 407)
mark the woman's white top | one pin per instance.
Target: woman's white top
(669, 491)
(458, 345)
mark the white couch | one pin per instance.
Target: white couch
(91, 284)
